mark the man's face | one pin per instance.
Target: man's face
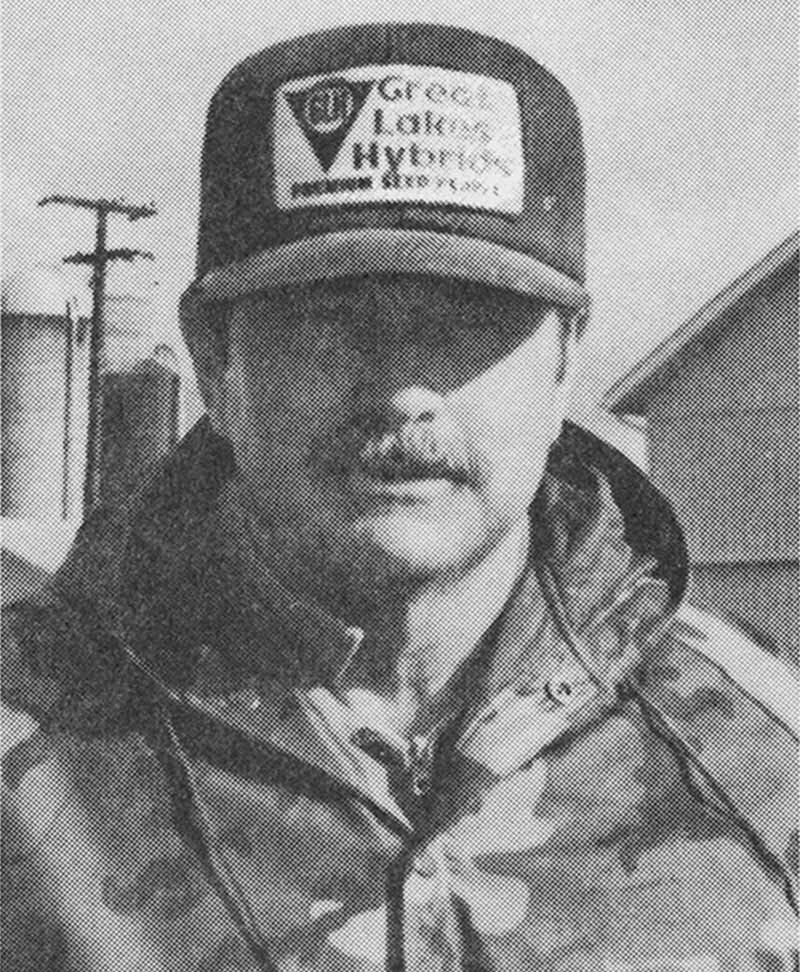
(394, 428)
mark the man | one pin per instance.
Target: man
(383, 668)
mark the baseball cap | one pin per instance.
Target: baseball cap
(392, 148)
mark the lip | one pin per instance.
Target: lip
(401, 490)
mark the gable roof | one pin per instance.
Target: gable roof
(628, 394)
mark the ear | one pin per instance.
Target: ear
(205, 331)
(573, 326)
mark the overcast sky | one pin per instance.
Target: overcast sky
(690, 113)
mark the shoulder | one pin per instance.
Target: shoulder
(727, 706)
(770, 682)
(714, 685)
(55, 784)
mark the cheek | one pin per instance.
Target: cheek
(512, 413)
(272, 406)
(229, 411)
(304, 373)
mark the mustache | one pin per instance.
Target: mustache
(416, 449)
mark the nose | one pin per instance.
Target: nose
(413, 404)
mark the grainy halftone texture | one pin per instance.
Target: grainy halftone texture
(189, 786)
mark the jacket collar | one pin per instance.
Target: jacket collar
(153, 574)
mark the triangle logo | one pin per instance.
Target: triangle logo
(326, 112)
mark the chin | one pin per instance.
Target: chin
(405, 546)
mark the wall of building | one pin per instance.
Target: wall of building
(764, 596)
(733, 479)
(723, 442)
(745, 361)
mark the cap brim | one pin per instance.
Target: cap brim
(360, 252)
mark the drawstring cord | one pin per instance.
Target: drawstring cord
(722, 802)
(190, 820)
(660, 725)
(195, 826)
(198, 830)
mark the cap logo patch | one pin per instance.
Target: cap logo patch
(326, 112)
(395, 133)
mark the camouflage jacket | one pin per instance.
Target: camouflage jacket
(608, 785)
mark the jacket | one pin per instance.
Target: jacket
(603, 792)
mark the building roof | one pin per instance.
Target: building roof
(629, 394)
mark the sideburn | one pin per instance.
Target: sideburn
(205, 326)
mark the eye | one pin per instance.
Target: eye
(479, 319)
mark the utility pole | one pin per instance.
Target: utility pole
(99, 261)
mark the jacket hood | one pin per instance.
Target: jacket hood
(148, 575)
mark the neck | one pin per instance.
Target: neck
(416, 634)
(415, 640)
